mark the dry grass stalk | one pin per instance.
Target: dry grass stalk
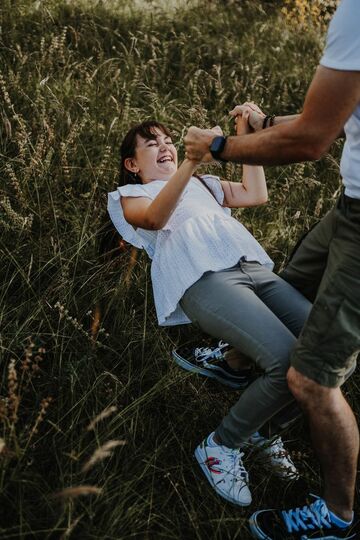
(77, 491)
(101, 453)
(2, 446)
(3, 408)
(16, 185)
(26, 362)
(132, 262)
(71, 527)
(19, 222)
(95, 325)
(14, 399)
(43, 408)
(101, 416)
(64, 314)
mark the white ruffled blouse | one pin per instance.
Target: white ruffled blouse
(199, 236)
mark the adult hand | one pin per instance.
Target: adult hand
(256, 116)
(197, 143)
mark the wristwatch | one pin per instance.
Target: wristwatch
(217, 146)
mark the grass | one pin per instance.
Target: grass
(79, 336)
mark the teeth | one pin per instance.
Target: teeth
(162, 160)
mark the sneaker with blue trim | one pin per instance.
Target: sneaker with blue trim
(312, 522)
(224, 469)
(210, 362)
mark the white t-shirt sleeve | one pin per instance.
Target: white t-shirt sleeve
(342, 49)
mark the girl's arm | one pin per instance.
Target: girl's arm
(252, 191)
(154, 214)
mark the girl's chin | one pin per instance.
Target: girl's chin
(167, 170)
(166, 173)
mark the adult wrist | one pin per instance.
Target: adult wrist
(217, 147)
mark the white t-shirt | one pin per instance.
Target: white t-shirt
(342, 52)
(199, 236)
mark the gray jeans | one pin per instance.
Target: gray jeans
(259, 313)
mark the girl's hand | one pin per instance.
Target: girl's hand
(256, 116)
(242, 126)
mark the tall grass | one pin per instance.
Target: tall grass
(98, 425)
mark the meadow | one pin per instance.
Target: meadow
(97, 423)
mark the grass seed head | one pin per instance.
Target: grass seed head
(77, 491)
(101, 453)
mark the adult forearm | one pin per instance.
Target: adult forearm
(287, 142)
(278, 120)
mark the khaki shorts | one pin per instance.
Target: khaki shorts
(326, 269)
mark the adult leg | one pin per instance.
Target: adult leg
(323, 356)
(335, 438)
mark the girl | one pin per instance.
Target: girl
(207, 268)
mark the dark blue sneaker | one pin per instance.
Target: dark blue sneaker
(311, 522)
(209, 361)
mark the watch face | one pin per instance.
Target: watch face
(217, 145)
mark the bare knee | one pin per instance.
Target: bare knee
(304, 390)
(309, 393)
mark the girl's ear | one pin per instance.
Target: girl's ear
(130, 165)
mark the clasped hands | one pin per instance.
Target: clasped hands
(248, 119)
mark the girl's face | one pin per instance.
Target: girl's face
(155, 159)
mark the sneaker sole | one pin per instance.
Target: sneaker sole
(200, 458)
(202, 371)
(256, 533)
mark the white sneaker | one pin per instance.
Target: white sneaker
(277, 455)
(224, 469)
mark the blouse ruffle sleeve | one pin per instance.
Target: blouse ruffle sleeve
(136, 237)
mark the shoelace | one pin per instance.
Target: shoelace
(308, 517)
(202, 354)
(238, 470)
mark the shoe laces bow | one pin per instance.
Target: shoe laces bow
(316, 515)
(202, 354)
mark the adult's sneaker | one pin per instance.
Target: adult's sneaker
(312, 522)
(210, 362)
(224, 469)
(277, 456)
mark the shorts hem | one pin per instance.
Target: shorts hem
(320, 376)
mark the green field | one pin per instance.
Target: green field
(79, 335)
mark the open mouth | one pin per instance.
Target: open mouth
(165, 159)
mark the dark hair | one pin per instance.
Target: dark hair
(146, 130)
